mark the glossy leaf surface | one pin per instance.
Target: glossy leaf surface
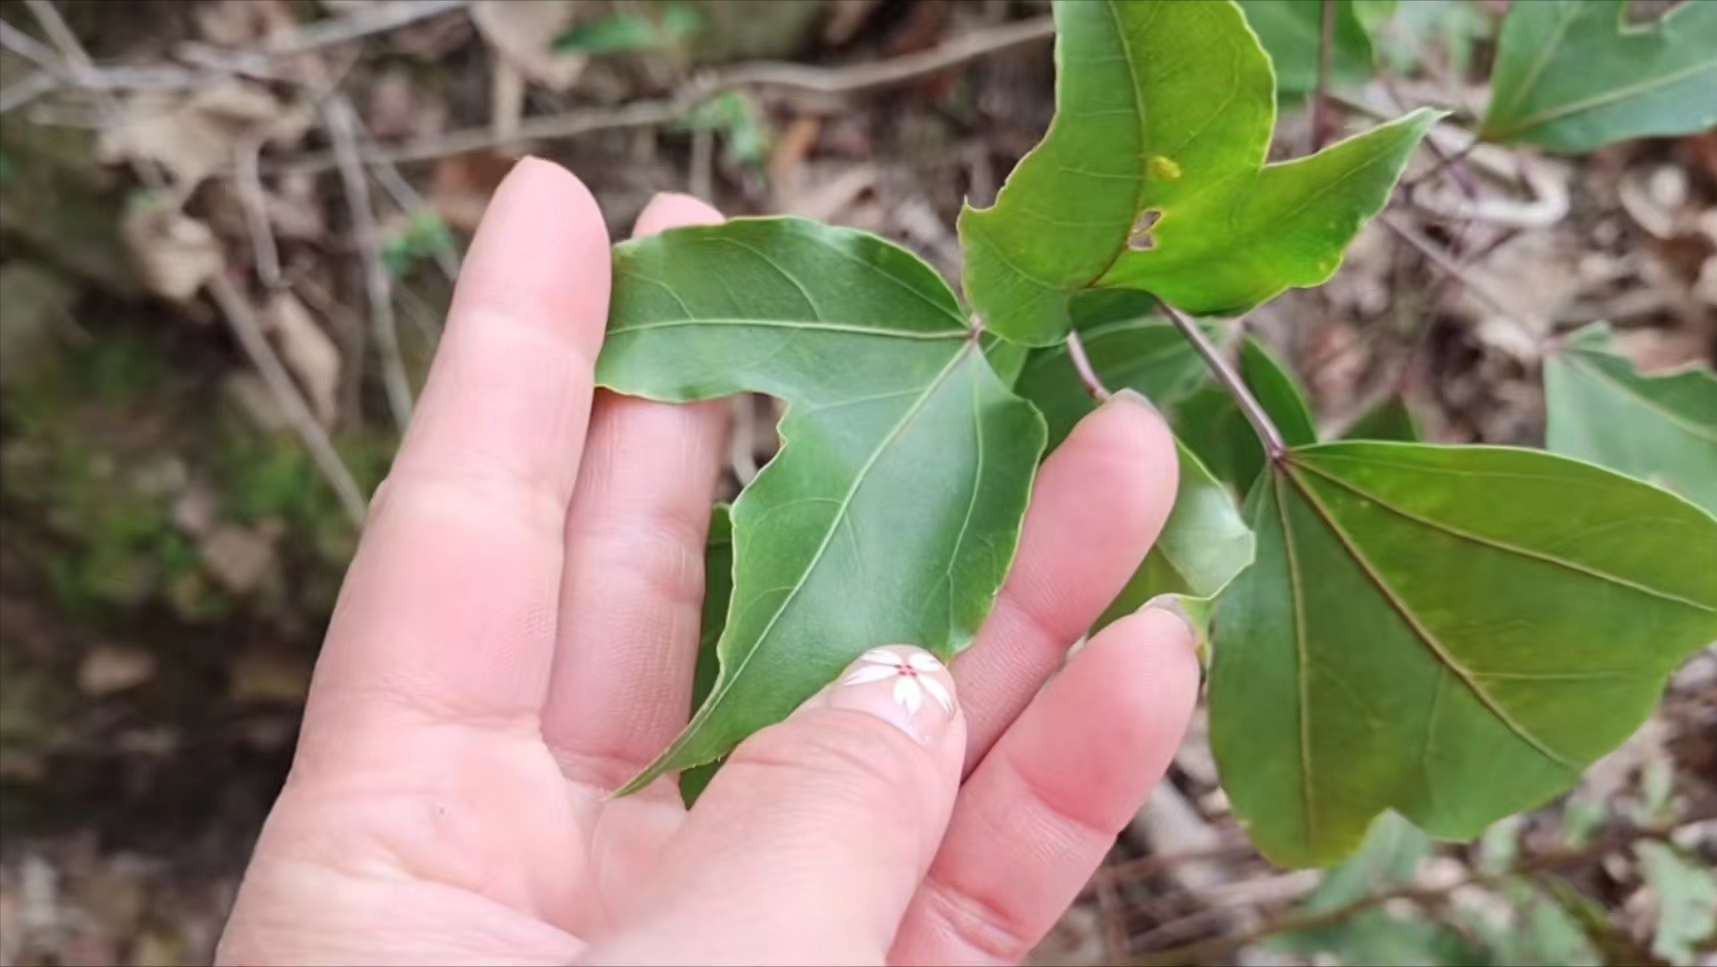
(1450, 632)
(1573, 75)
(1152, 176)
(892, 511)
(1661, 429)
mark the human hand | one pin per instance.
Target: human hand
(516, 638)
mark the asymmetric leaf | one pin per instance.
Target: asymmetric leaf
(892, 511)
(1152, 176)
(1662, 429)
(1573, 75)
(1450, 632)
(1292, 33)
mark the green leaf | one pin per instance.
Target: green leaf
(717, 592)
(1152, 176)
(1129, 346)
(1388, 420)
(1686, 901)
(1389, 857)
(1214, 428)
(1204, 542)
(631, 32)
(1659, 428)
(1450, 632)
(1292, 33)
(1203, 545)
(1572, 75)
(892, 511)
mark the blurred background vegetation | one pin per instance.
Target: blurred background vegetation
(228, 232)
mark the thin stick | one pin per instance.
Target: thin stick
(255, 204)
(446, 256)
(340, 30)
(342, 121)
(1326, 52)
(1082, 365)
(799, 77)
(241, 318)
(1455, 269)
(28, 47)
(1230, 380)
(27, 90)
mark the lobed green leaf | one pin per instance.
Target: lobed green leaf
(891, 513)
(1658, 428)
(1454, 633)
(1574, 75)
(1152, 176)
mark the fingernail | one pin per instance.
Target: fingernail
(904, 686)
(1130, 395)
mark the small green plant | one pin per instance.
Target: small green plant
(1451, 633)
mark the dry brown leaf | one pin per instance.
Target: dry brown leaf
(232, 23)
(523, 33)
(308, 350)
(193, 134)
(107, 669)
(266, 675)
(173, 253)
(461, 186)
(240, 558)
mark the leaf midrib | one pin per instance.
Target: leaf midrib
(1504, 546)
(1412, 621)
(1607, 98)
(727, 678)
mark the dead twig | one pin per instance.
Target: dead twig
(248, 182)
(797, 77)
(340, 30)
(344, 131)
(243, 321)
(28, 47)
(1326, 54)
(1443, 260)
(27, 90)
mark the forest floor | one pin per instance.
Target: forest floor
(189, 187)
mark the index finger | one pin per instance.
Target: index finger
(449, 608)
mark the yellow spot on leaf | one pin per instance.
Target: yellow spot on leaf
(1164, 167)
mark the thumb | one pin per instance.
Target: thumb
(809, 844)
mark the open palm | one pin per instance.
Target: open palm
(517, 635)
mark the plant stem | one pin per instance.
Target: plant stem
(1326, 51)
(1082, 365)
(1230, 380)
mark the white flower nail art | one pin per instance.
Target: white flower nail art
(912, 675)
